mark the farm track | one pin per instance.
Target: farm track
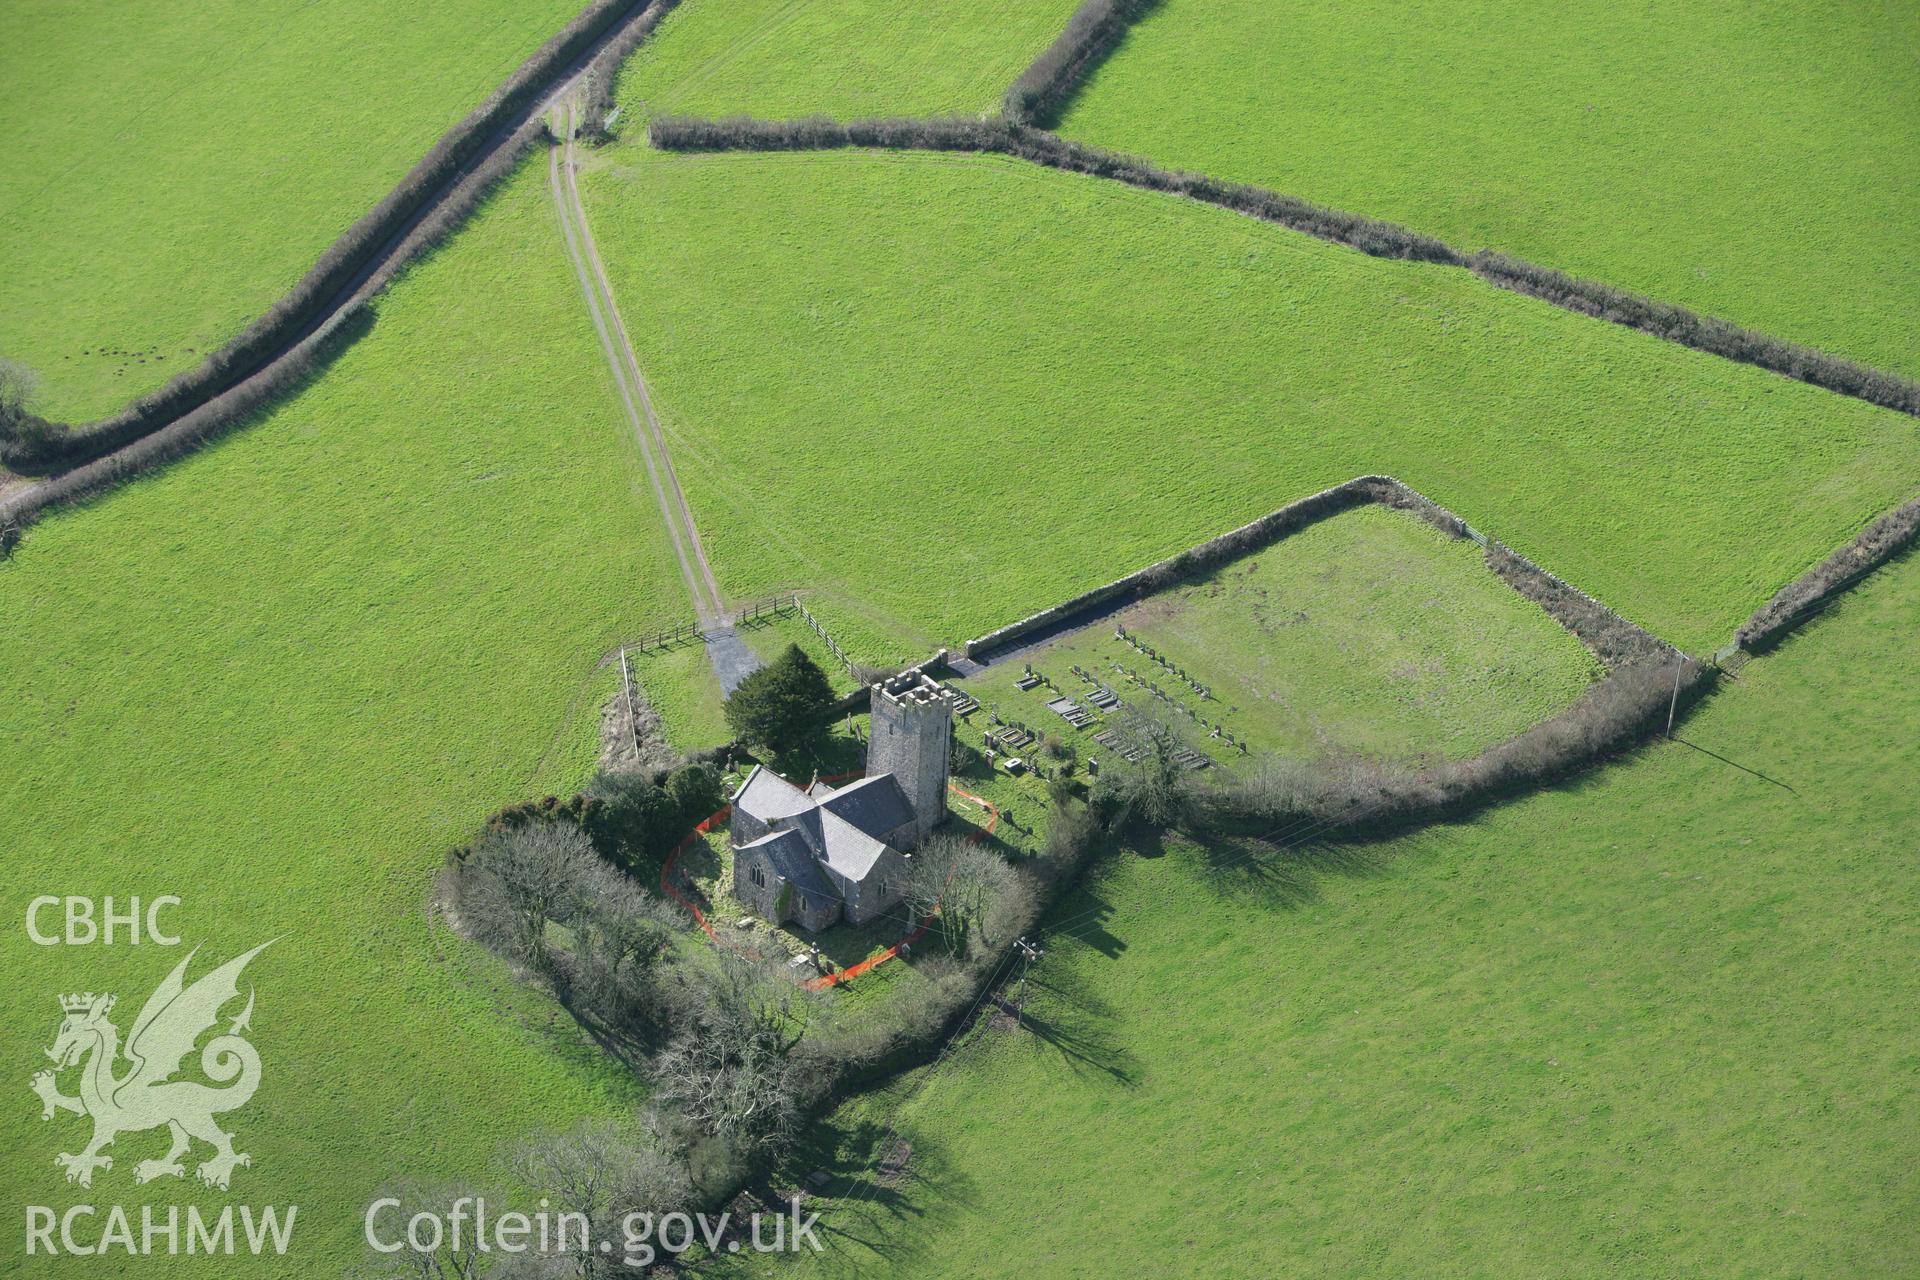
(373, 275)
(729, 655)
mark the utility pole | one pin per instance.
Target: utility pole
(1673, 704)
(1029, 953)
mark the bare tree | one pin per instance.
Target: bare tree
(452, 1259)
(966, 887)
(728, 1071)
(1157, 788)
(517, 882)
(17, 386)
(601, 1171)
(621, 933)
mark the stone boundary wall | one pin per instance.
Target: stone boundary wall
(1612, 637)
(1340, 497)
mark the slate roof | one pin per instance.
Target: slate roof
(844, 829)
(768, 796)
(874, 805)
(793, 860)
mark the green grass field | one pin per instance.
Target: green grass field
(785, 58)
(1747, 161)
(1660, 1022)
(282, 677)
(962, 388)
(1370, 633)
(171, 170)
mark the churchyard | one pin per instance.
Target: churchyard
(1367, 633)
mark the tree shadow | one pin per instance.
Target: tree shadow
(845, 1175)
(1065, 1015)
(1090, 913)
(1283, 868)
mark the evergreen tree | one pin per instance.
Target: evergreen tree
(784, 704)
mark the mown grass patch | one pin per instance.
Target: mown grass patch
(680, 684)
(172, 170)
(785, 58)
(1536, 1043)
(961, 389)
(1371, 633)
(283, 676)
(1743, 163)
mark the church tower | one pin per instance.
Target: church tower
(912, 739)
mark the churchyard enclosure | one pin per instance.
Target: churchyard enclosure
(172, 170)
(1762, 182)
(1369, 632)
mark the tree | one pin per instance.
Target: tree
(621, 933)
(17, 385)
(697, 792)
(784, 704)
(633, 817)
(453, 1259)
(1157, 788)
(728, 1071)
(602, 1171)
(974, 889)
(517, 881)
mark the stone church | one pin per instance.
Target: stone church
(818, 854)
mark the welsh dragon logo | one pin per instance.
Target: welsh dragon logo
(173, 1019)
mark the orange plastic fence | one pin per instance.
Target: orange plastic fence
(840, 975)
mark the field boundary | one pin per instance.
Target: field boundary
(251, 369)
(1827, 581)
(1612, 638)
(1092, 34)
(1708, 334)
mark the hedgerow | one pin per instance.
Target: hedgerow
(344, 270)
(1878, 543)
(603, 73)
(1702, 333)
(1369, 235)
(817, 133)
(1094, 31)
(229, 409)
(1366, 798)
